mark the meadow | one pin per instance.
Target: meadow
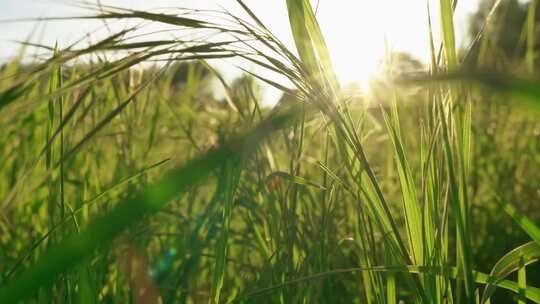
(124, 179)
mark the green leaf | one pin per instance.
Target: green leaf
(523, 221)
(448, 33)
(310, 43)
(230, 179)
(511, 262)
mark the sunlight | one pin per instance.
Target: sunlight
(356, 31)
(355, 38)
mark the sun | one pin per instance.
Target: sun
(358, 33)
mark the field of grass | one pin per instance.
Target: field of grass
(122, 184)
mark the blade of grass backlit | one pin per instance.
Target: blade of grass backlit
(463, 246)
(455, 175)
(531, 35)
(413, 214)
(310, 42)
(448, 34)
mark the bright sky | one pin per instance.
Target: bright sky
(355, 30)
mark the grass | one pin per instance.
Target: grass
(129, 185)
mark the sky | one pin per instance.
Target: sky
(355, 30)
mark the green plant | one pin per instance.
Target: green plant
(229, 201)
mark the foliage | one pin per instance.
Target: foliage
(122, 184)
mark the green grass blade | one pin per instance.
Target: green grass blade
(231, 176)
(448, 33)
(310, 42)
(522, 282)
(463, 243)
(531, 35)
(391, 294)
(411, 207)
(513, 261)
(523, 221)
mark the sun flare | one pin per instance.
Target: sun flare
(354, 38)
(357, 33)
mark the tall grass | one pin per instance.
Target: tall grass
(323, 198)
